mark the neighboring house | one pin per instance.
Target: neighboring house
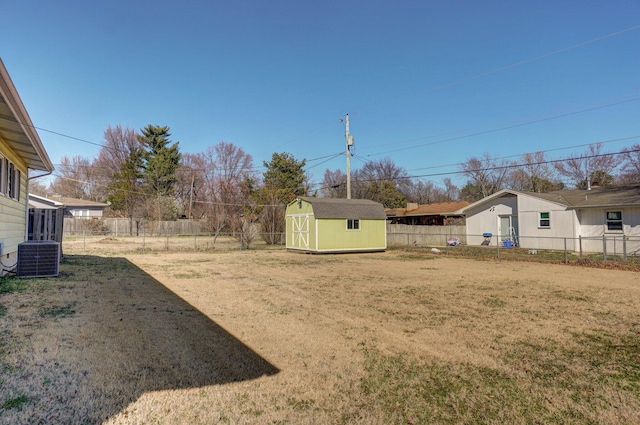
(331, 225)
(581, 218)
(21, 150)
(73, 207)
(437, 214)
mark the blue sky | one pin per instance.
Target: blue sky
(427, 84)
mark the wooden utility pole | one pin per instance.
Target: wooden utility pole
(349, 138)
(193, 179)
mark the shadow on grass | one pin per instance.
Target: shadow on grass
(129, 335)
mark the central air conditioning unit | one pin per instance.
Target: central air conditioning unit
(38, 258)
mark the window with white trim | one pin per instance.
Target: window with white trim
(614, 220)
(544, 219)
(353, 224)
(9, 179)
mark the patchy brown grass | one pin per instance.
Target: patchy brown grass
(274, 337)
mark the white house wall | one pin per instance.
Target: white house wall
(562, 224)
(13, 214)
(484, 218)
(594, 227)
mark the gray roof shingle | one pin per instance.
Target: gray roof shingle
(346, 208)
(601, 196)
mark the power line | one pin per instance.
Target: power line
(542, 151)
(504, 68)
(494, 130)
(499, 167)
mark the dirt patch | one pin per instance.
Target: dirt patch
(269, 336)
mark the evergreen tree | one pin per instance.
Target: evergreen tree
(161, 161)
(284, 179)
(286, 175)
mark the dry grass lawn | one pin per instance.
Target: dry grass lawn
(271, 337)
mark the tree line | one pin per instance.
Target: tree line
(385, 182)
(144, 177)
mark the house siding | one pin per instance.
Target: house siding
(482, 220)
(531, 235)
(92, 211)
(13, 213)
(594, 227)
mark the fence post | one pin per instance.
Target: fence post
(604, 248)
(84, 241)
(566, 261)
(498, 244)
(580, 243)
(624, 248)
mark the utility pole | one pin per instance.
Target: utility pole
(349, 138)
(193, 178)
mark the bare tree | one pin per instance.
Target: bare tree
(452, 192)
(381, 181)
(630, 167)
(77, 179)
(485, 175)
(213, 186)
(534, 174)
(118, 145)
(334, 184)
(192, 177)
(37, 187)
(423, 192)
(592, 163)
(385, 170)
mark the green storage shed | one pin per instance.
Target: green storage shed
(331, 225)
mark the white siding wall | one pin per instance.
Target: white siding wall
(484, 218)
(594, 226)
(12, 214)
(562, 224)
(86, 212)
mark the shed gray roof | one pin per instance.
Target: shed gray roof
(346, 208)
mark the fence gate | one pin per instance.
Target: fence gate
(300, 231)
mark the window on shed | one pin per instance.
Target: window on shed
(353, 224)
(545, 219)
(614, 220)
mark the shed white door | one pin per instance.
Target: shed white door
(300, 230)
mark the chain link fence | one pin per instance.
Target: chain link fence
(606, 248)
(82, 236)
(103, 242)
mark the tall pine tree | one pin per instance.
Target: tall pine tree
(161, 161)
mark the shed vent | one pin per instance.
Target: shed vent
(38, 258)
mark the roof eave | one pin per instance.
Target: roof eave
(33, 153)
